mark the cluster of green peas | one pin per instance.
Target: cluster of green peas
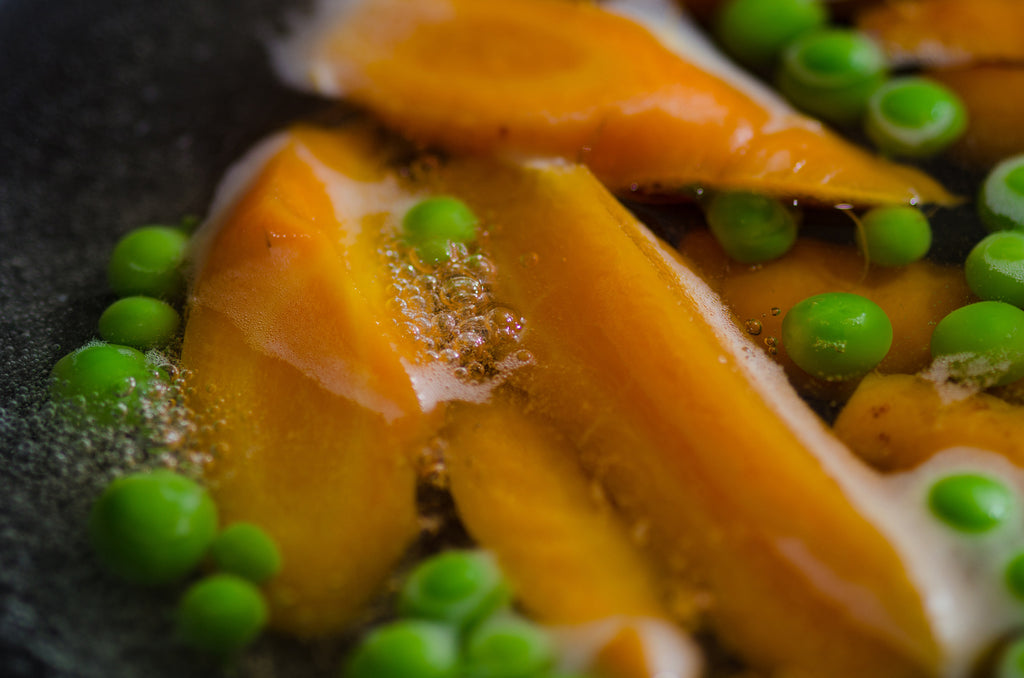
(841, 76)
(975, 504)
(154, 528)
(109, 377)
(455, 622)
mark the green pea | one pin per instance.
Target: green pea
(140, 322)
(152, 528)
(406, 649)
(836, 335)
(147, 261)
(433, 223)
(831, 73)
(109, 379)
(1014, 575)
(1001, 199)
(914, 117)
(754, 32)
(970, 502)
(751, 228)
(246, 550)
(982, 343)
(458, 587)
(221, 614)
(894, 236)
(507, 646)
(995, 268)
(1011, 661)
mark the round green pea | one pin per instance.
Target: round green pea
(754, 32)
(408, 648)
(836, 335)
(970, 502)
(458, 587)
(1014, 575)
(140, 322)
(831, 74)
(1011, 661)
(147, 262)
(751, 228)
(433, 223)
(108, 378)
(914, 117)
(982, 343)
(152, 528)
(507, 646)
(246, 550)
(894, 236)
(221, 614)
(1001, 198)
(995, 268)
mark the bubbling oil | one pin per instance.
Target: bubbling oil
(451, 310)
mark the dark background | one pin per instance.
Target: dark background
(113, 114)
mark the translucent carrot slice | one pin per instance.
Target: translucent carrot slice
(898, 421)
(535, 77)
(994, 97)
(299, 383)
(946, 32)
(570, 558)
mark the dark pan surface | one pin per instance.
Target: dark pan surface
(113, 114)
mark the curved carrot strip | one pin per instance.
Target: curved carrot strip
(570, 558)
(525, 497)
(538, 77)
(946, 32)
(301, 388)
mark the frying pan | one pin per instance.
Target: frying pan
(113, 114)
(116, 114)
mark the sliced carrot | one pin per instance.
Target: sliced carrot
(521, 493)
(915, 297)
(299, 383)
(946, 32)
(635, 368)
(898, 421)
(994, 97)
(535, 77)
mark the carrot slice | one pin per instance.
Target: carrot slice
(947, 32)
(994, 97)
(294, 373)
(536, 77)
(898, 421)
(526, 498)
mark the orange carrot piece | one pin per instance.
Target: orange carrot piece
(303, 394)
(994, 97)
(526, 497)
(898, 421)
(947, 32)
(535, 77)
